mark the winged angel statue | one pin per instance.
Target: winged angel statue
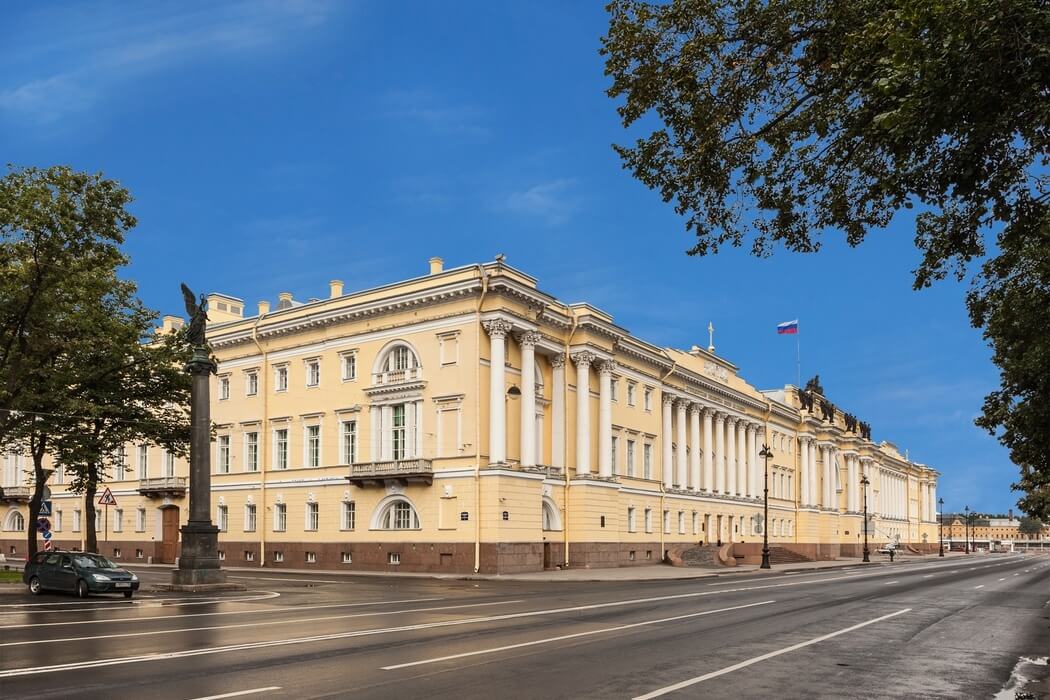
(198, 317)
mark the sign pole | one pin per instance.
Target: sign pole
(105, 525)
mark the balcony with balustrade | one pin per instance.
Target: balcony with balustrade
(16, 494)
(165, 486)
(397, 376)
(403, 470)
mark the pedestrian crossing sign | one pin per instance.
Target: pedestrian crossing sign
(107, 498)
(45, 509)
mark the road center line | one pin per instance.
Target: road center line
(263, 623)
(253, 691)
(750, 662)
(981, 586)
(890, 583)
(143, 602)
(572, 636)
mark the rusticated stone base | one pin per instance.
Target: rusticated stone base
(199, 587)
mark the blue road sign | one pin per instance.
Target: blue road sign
(47, 534)
(45, 508)
(43, 525)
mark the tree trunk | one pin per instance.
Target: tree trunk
(91, 537)
(38, 448)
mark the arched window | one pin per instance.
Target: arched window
(397, 514)
(16, 522)
(396, 362)
(551, 516)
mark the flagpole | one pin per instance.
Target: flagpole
(798, 354)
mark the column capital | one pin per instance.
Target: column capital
(731, 419)
(720, 417)
(668, 399)
(607, 367)
(682, 403)
(558, 361)
(695, 408)
(529, 338)
(707, 411)
(753, 427)
(584, 358)
(497, 328)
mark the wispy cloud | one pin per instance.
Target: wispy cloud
(553, 201)
(435, 113)
(106, 52)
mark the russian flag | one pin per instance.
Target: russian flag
(787, 327)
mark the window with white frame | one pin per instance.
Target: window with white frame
(313, 445)
(280, 378)
(399, 515)
(614, 389)
(681, 522)
(647, 461)
(312, 517)
(696, 523)
(630, 519)
(118, 520)
(249, 517)
(169, 463)
(349, 516)
(401, 359)
(349, 363)
(615, 454)
(631, 391)
(140, 520)
(313, 372)
(76, 520)
(630, 458)
(280, 517)
(222, 517)
(223, 453)
(56, 525)
(122, 458)
(143, 461)
(251, 383)
(648, 519)
(398, 432)
(224, 388)
(251, 452)
(348, 441)
(648, 399)
(667, 522)
(280, 448)
(98, 520)
(16, 522)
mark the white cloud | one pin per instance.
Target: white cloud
(435, 113)
(551, 201)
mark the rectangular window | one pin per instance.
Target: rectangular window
(348, 428)
(667, 522)
(58, 521)
(249, 555)
(222, 518)
(98, 521)
(311, 557)
(648, 398)
(681, 522)
(313, 372)
(648, 519)
(630, 458)
(401, 359)
(614, 389)
(615, 452)
(224, 388)
(347, 558)
(223, 454)
(393, 558)
(251, 452)
(280, 448)
(169, 463)
(349, 366)
(118, 520)
(249, 517)
(143, 462)
(647, 461)
(630, 520)
(251, 383)
(696, 524)
(398, 429)
(278, 557)
(312, 517)
(349, 520)
(313, 445)
(280, 379)
(76, 520)
(280, 517)
(140, 520)
(631, 392)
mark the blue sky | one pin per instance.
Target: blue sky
(292, 143)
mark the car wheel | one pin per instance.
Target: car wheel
(82, 589)
(127, 594)
(34, 586)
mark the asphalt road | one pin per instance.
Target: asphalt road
(950, 628)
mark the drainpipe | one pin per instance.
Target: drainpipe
(483, 276)
(265, 442)
(565, 440)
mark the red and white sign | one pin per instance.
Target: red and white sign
(107, 498)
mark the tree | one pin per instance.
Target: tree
(1030, 526)
(777, 122)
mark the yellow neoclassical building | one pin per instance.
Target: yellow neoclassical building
(467, 421)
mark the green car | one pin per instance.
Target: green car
(77, 572)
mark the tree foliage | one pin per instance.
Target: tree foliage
(1030, 526)
(775, 123)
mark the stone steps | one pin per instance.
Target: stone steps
(701, 556)
(780, 555)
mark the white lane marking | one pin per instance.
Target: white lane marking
(264, 623)
(890, 583)
(144, 601)
(928, 576)
(1002, 579)
(1017, 574)
(240, 692)
(981, 586)
(749, 662)
(299, 580)
(571, 636)
(260, 611)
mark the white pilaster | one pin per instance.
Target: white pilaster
(709, 454)
(694, 447)
(752, 465)
(683, 464)
(528, 342)
(376, 420)
(803, 469)
(605, 374)
(668, 454)
(828, 483)
(814, 478)
(720, 452)
(558, 411)
(583, 362)
(497, 330)
(741, 458)
(731, 455)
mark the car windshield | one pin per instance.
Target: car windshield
(92, 561)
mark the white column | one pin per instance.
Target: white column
(605, 373)
(681, 442)
(410, 431)
(752, 465)
(694, 446)
(829, 484)
(851, 489)
(709, 454)
(583, 362)
(731, 486)
(528, 397)
(558, 411)
(814, 478)
(668, 455)
(741, 457)
(497, 330)
(720, 452)
(376, 421)
(803, 468)
(387, 437)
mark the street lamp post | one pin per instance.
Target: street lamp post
(765, 454)
(940, 522)
(966, 530)
(864, 490)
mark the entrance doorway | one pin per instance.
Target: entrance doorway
(548, 556)
(170, 535)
